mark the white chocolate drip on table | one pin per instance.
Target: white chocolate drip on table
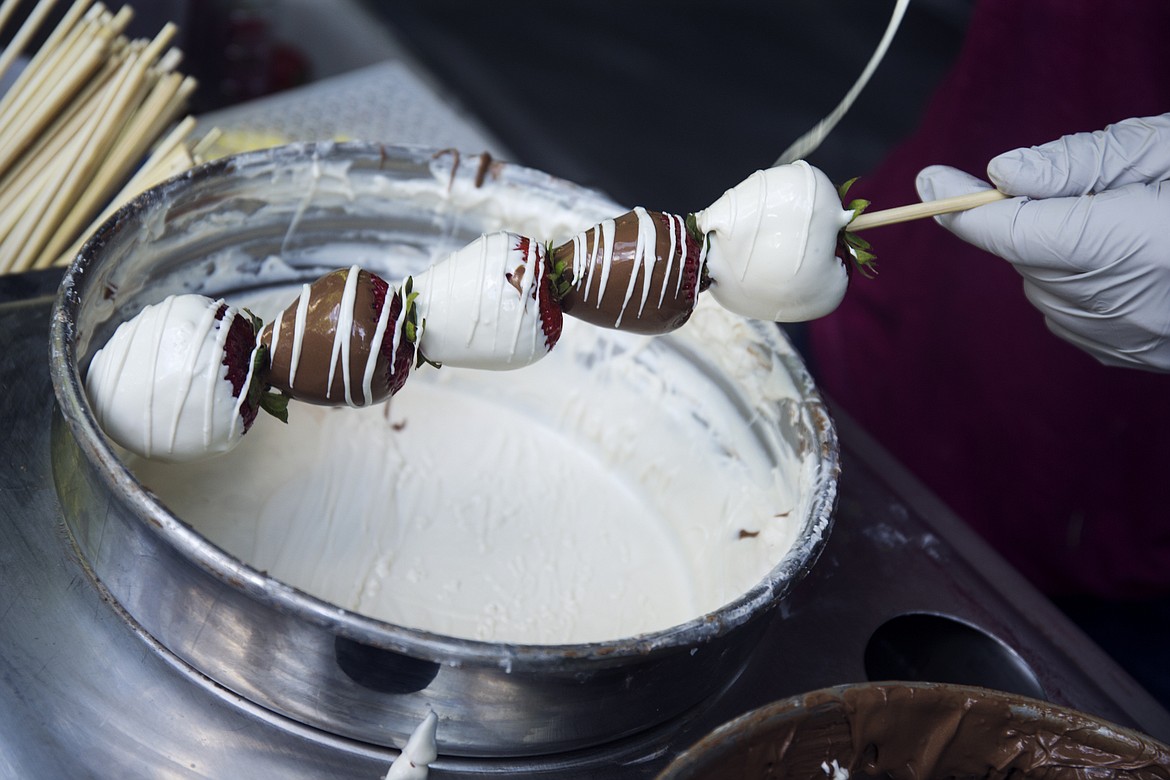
(413, 763)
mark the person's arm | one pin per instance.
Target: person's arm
(1089, 233)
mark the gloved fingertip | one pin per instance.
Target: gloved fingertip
(924, 182)
(941, 181)
(1005, 169)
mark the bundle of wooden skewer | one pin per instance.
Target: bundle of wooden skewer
(76, 124)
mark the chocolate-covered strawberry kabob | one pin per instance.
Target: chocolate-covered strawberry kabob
(767, 249)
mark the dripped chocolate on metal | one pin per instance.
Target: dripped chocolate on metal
(916, 732)
(654, 316)
(311, 382)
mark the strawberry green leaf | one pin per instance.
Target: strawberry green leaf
(420, 358)
(276, 404)
(859, 252)
(559, 277)
(259, 383)
(704, 278)
(856, 241)
(852, 244)
(257, 323)
(857, 207)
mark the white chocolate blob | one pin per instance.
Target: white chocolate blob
(773, 245)
(474, 316)
(420, 750)
(159, 387)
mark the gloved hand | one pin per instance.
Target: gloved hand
(1090, 234)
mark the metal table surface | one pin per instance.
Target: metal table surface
(902, 589)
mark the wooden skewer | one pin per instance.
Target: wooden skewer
(28, 90)
(71, 171)
(62, 91)
(26, 31)
(170, 61)
(129, 126)
(21, 184)
(931, 208)
(76, 120)
(7, 9)
(99, 134)
(41, 66)
(203, 147)
(17, 182)
(157, 109)
(156, 169)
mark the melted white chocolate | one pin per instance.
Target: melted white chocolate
(598, 494)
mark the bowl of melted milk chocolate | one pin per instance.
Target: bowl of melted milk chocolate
(919, 731)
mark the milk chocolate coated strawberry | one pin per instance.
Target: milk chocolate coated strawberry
(347, 339)
(640, 272)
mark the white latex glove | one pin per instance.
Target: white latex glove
(1090, 234)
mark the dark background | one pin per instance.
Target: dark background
(667, 104)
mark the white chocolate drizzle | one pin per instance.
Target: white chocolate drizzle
(342, 335)
(237, 419)
(299, 325)
(376, 344)
(420, 750)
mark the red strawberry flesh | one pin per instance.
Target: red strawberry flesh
(237, 356)
(551, 317)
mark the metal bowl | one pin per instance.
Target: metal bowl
(300, 656)
(916, 730)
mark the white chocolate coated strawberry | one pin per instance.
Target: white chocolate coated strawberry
(773, 245)
(160, 386)
(488, 305)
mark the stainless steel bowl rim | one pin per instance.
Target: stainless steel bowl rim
(75, 409)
